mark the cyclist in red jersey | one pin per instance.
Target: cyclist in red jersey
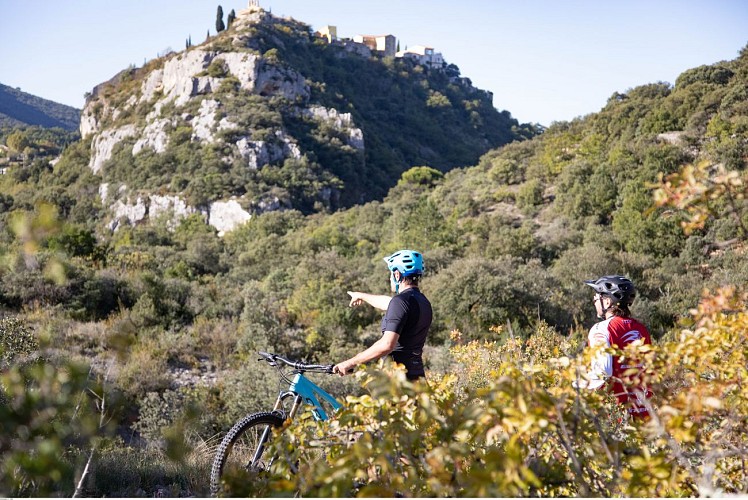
(614, 295)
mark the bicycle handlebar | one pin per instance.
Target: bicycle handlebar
(272, 359)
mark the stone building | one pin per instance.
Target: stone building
(423, 55)
(383, 44)
(329, 32)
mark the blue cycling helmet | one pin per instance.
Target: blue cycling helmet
(408, 262)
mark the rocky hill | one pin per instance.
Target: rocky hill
(267, 116)
(17, 108)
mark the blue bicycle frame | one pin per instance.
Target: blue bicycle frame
(301, 389)
(308, 392)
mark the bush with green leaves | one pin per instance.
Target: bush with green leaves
(17, 340)
(508, 421)
(51, 416)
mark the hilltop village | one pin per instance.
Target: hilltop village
(382, 45)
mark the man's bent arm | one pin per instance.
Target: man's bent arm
(385, 345)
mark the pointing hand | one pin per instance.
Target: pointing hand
(356, 299)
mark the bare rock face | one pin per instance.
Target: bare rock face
(340, 121)
(103, 145)
(180, 76)
(243, 66)
(153, 83)
(255, 153)
(130, 212)
(183, 78)
(171, 205)
(153, 137)
(285, 82)
(89, 122)
(356, 138)
(224, 215)
(227, 215)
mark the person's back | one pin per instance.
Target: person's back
(618, 330)
(409, 314)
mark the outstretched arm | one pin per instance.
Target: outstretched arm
(376, 301)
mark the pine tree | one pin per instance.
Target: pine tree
(207, 37)
(219, 20)
(230, 19)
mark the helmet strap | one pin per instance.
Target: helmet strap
(396, 282)
(602, 306)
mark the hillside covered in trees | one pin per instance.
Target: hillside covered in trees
(268, 115)
(18, 108)
(161, 319)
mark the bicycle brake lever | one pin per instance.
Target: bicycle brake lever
(266, 356)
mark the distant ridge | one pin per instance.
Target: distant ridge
(17, 108)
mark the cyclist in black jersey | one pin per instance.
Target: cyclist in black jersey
(406, 323)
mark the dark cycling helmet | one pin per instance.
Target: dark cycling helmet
(619, 288)
(408, 262)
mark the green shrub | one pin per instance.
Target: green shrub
(16, 341)
(530, 195)
(47, 415)
(217, 68)
(421, 176)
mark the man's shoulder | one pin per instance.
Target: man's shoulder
(620, 321)
(602, 326)
(418, 295)
(599, 332)
(628, 329)
(397, 302)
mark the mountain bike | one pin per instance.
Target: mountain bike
(242, 449)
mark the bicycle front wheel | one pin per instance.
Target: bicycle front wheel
(240, 455)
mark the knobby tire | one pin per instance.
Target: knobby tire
(238, 447)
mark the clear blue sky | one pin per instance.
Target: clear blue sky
(544, 60)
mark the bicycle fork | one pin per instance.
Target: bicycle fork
(298, 400)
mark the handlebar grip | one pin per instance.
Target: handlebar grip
(298, 365)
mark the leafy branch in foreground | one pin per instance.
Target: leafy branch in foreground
(703, 191)
(522, 429)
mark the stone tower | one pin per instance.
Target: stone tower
(254, 3)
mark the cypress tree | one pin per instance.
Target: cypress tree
(230, 19)
(219, 20)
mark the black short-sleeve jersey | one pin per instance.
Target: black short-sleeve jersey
(409, 315)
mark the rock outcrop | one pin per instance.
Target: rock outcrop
(103, 145)
(182, 79)
(226, 215)
(339, 121)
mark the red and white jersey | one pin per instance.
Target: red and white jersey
(618, 332)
